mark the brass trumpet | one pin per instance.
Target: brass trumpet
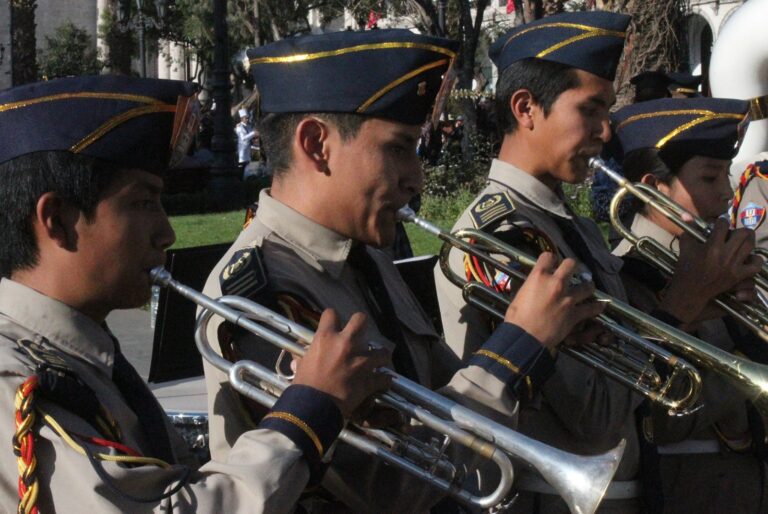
(631, 371)
(754, 317)
(748, 377)
(581, 481)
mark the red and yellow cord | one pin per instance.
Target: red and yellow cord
(26, 413)
(24, 446)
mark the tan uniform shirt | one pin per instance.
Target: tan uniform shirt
(753, 207)
(696, 476)
(308, 261)
(265, 471)
(577, 409)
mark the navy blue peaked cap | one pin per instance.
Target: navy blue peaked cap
(132, 122)
(590, 40)
(393, 74)
(711, 127)
(658, 84)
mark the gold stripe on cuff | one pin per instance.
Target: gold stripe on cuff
(290, 418)
(498, 358)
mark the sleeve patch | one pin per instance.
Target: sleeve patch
(491, 207)
(244, 275)
(752, 215)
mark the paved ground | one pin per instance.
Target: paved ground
(131, 326)
(135, 335)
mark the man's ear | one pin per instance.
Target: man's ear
(311, 142)
(523, 107)
(649, 179)
(55, 221)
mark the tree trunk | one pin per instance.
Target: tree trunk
(470, 35)
(23, 42)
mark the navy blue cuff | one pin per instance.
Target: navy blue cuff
(666, 317)
(309, 418)
(515, 357)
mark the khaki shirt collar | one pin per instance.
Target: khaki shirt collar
(319, 246)
(529, 187)
(643, 227)
(64, 327)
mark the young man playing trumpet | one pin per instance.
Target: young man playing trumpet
(683, 148)
(553, 97)
(82, 226)
(343, 115)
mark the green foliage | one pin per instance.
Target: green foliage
(579, 197)
(207, 229)
(453, 174)
(23, 42)
(122, 46)
(70, 51)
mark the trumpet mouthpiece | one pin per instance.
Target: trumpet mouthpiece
(160, 276)
(405, 213)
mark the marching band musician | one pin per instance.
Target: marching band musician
(343, 113)
(683, 148)
(553, 98)
(82, 226)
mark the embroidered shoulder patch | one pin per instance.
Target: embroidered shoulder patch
(42, 356)
(244, 275)
(752, 215)
(491, 207)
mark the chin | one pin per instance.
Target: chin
(135, 298)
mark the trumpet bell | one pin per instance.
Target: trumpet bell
(580, 480)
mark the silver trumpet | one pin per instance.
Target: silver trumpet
(754, 317)
(748, 377)
(580, 480)
(678, 392)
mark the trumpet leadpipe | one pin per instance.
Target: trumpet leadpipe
(581, 481)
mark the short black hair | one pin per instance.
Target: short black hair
(276, 132)
(23, 180)
(545, 80)
(664, 164)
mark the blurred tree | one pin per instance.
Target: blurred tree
(23, 42)
(70, 51)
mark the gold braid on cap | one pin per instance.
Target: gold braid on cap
(704, 115)
(589, 32)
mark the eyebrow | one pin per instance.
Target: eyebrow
(602, 103)
(405, 138)
(148, 187)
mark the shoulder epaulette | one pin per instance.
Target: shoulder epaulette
(59, 384)
(491, 207)
(42, 356)
(244, 275)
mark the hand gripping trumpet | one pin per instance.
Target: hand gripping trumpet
(754, 317)
(581, 481)
(630, 370)
(748, 377)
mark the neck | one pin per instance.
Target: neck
(662, 222)
(522, 154)
(58, 286)
(304, 199)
